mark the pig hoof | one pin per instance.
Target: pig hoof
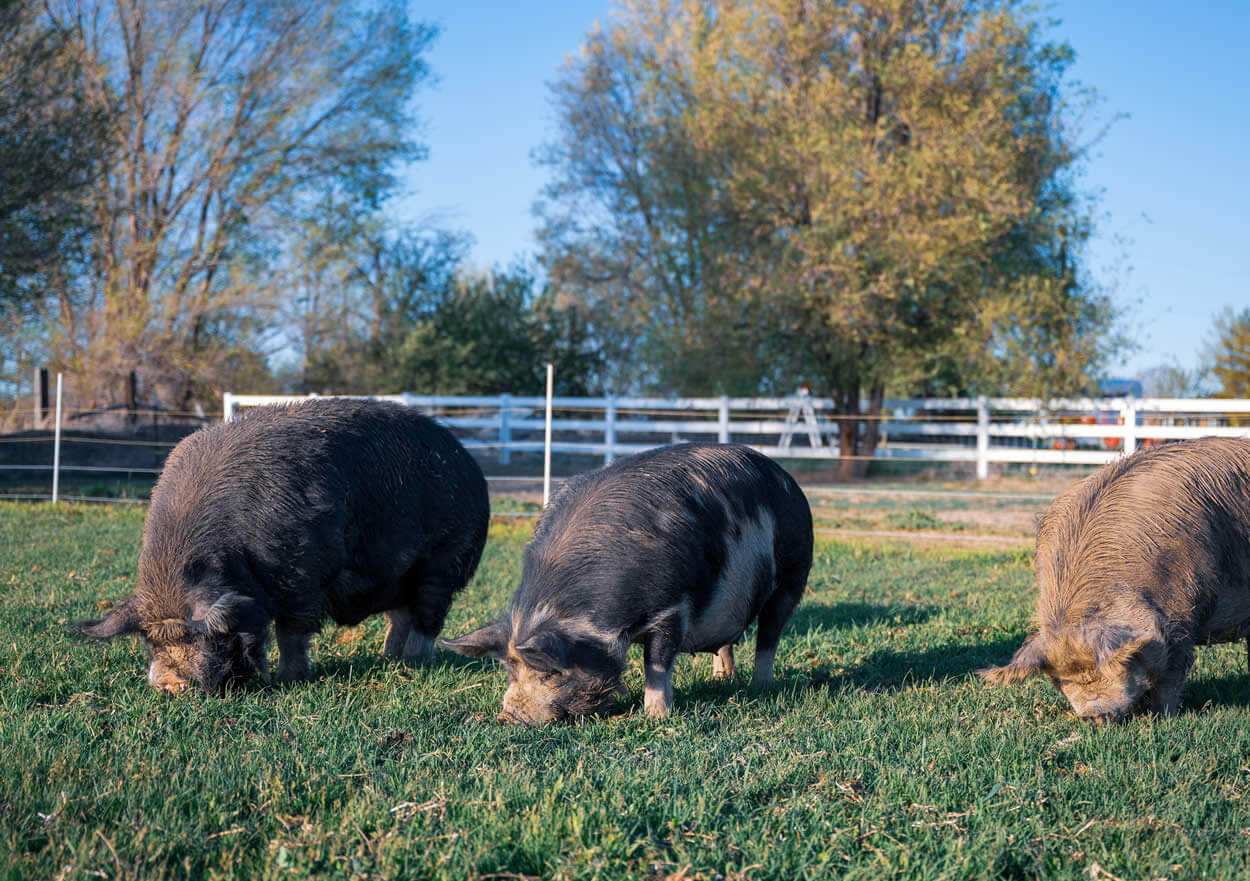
(655, 706)
(419, 648)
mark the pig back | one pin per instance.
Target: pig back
(288, 495)
(1168, 526)
(665, 527)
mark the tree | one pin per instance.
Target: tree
(636, 228)
(1228, 353)
(1175, 381)
(239, 120)
(358, 288)
(52, 143)
(871, 194)
(400, 312)
(488, 334)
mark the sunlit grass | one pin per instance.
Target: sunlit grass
(876, 753)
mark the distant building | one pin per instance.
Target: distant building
(1120, 388)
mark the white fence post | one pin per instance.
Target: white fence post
(505, 429)
(722, 420)
(56, 446)
(227, 407)
(1129, 416)
(983, 438)
(547, 438)
(609, 430)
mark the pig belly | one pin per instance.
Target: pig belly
(710, 636)
(354, 596)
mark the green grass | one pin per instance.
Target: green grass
(876, 754)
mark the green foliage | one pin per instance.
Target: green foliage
(237, 122)
(857, 195)
(876, 753)
(52, 144)
(488, 335)
(411, 318)
(1228, 353)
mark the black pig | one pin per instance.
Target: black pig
(679, 549)
(327, 508)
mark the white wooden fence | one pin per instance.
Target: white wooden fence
(1088, 431)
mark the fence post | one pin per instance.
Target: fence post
(1128, 413)
(41, 397)
(983, 438)
(56, 446)
(505, 429)
(227, 407)
(547, 438)
(609, 430)
(722, 420)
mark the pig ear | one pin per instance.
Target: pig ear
(1116, 646)
(122, 619)
(223, 615)
(1028, 660)
(545, 651)
(489, 640)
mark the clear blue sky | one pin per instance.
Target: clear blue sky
(1174, 175)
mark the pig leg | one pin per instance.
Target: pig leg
(398, 630)
(1165, 697)
(293, 663)
(723, 662)
(659, 652)
(434, 584)
(772, 620)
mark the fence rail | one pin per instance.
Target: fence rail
(1084, 431)
(979, 431)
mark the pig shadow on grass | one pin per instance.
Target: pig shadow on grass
(892, 671)
(369, 663)
(809, 617)
(1232, 690)
(888, 670)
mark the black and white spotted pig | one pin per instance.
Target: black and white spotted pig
(678, 548)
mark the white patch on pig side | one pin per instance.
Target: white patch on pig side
(733, 597)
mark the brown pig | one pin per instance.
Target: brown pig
(1136, 565)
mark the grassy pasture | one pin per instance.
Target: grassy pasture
(875, 754)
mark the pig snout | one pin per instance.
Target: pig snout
(164, 679)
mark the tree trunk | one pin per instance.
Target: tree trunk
(846, 400)
(872, 428)
(856, 446)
